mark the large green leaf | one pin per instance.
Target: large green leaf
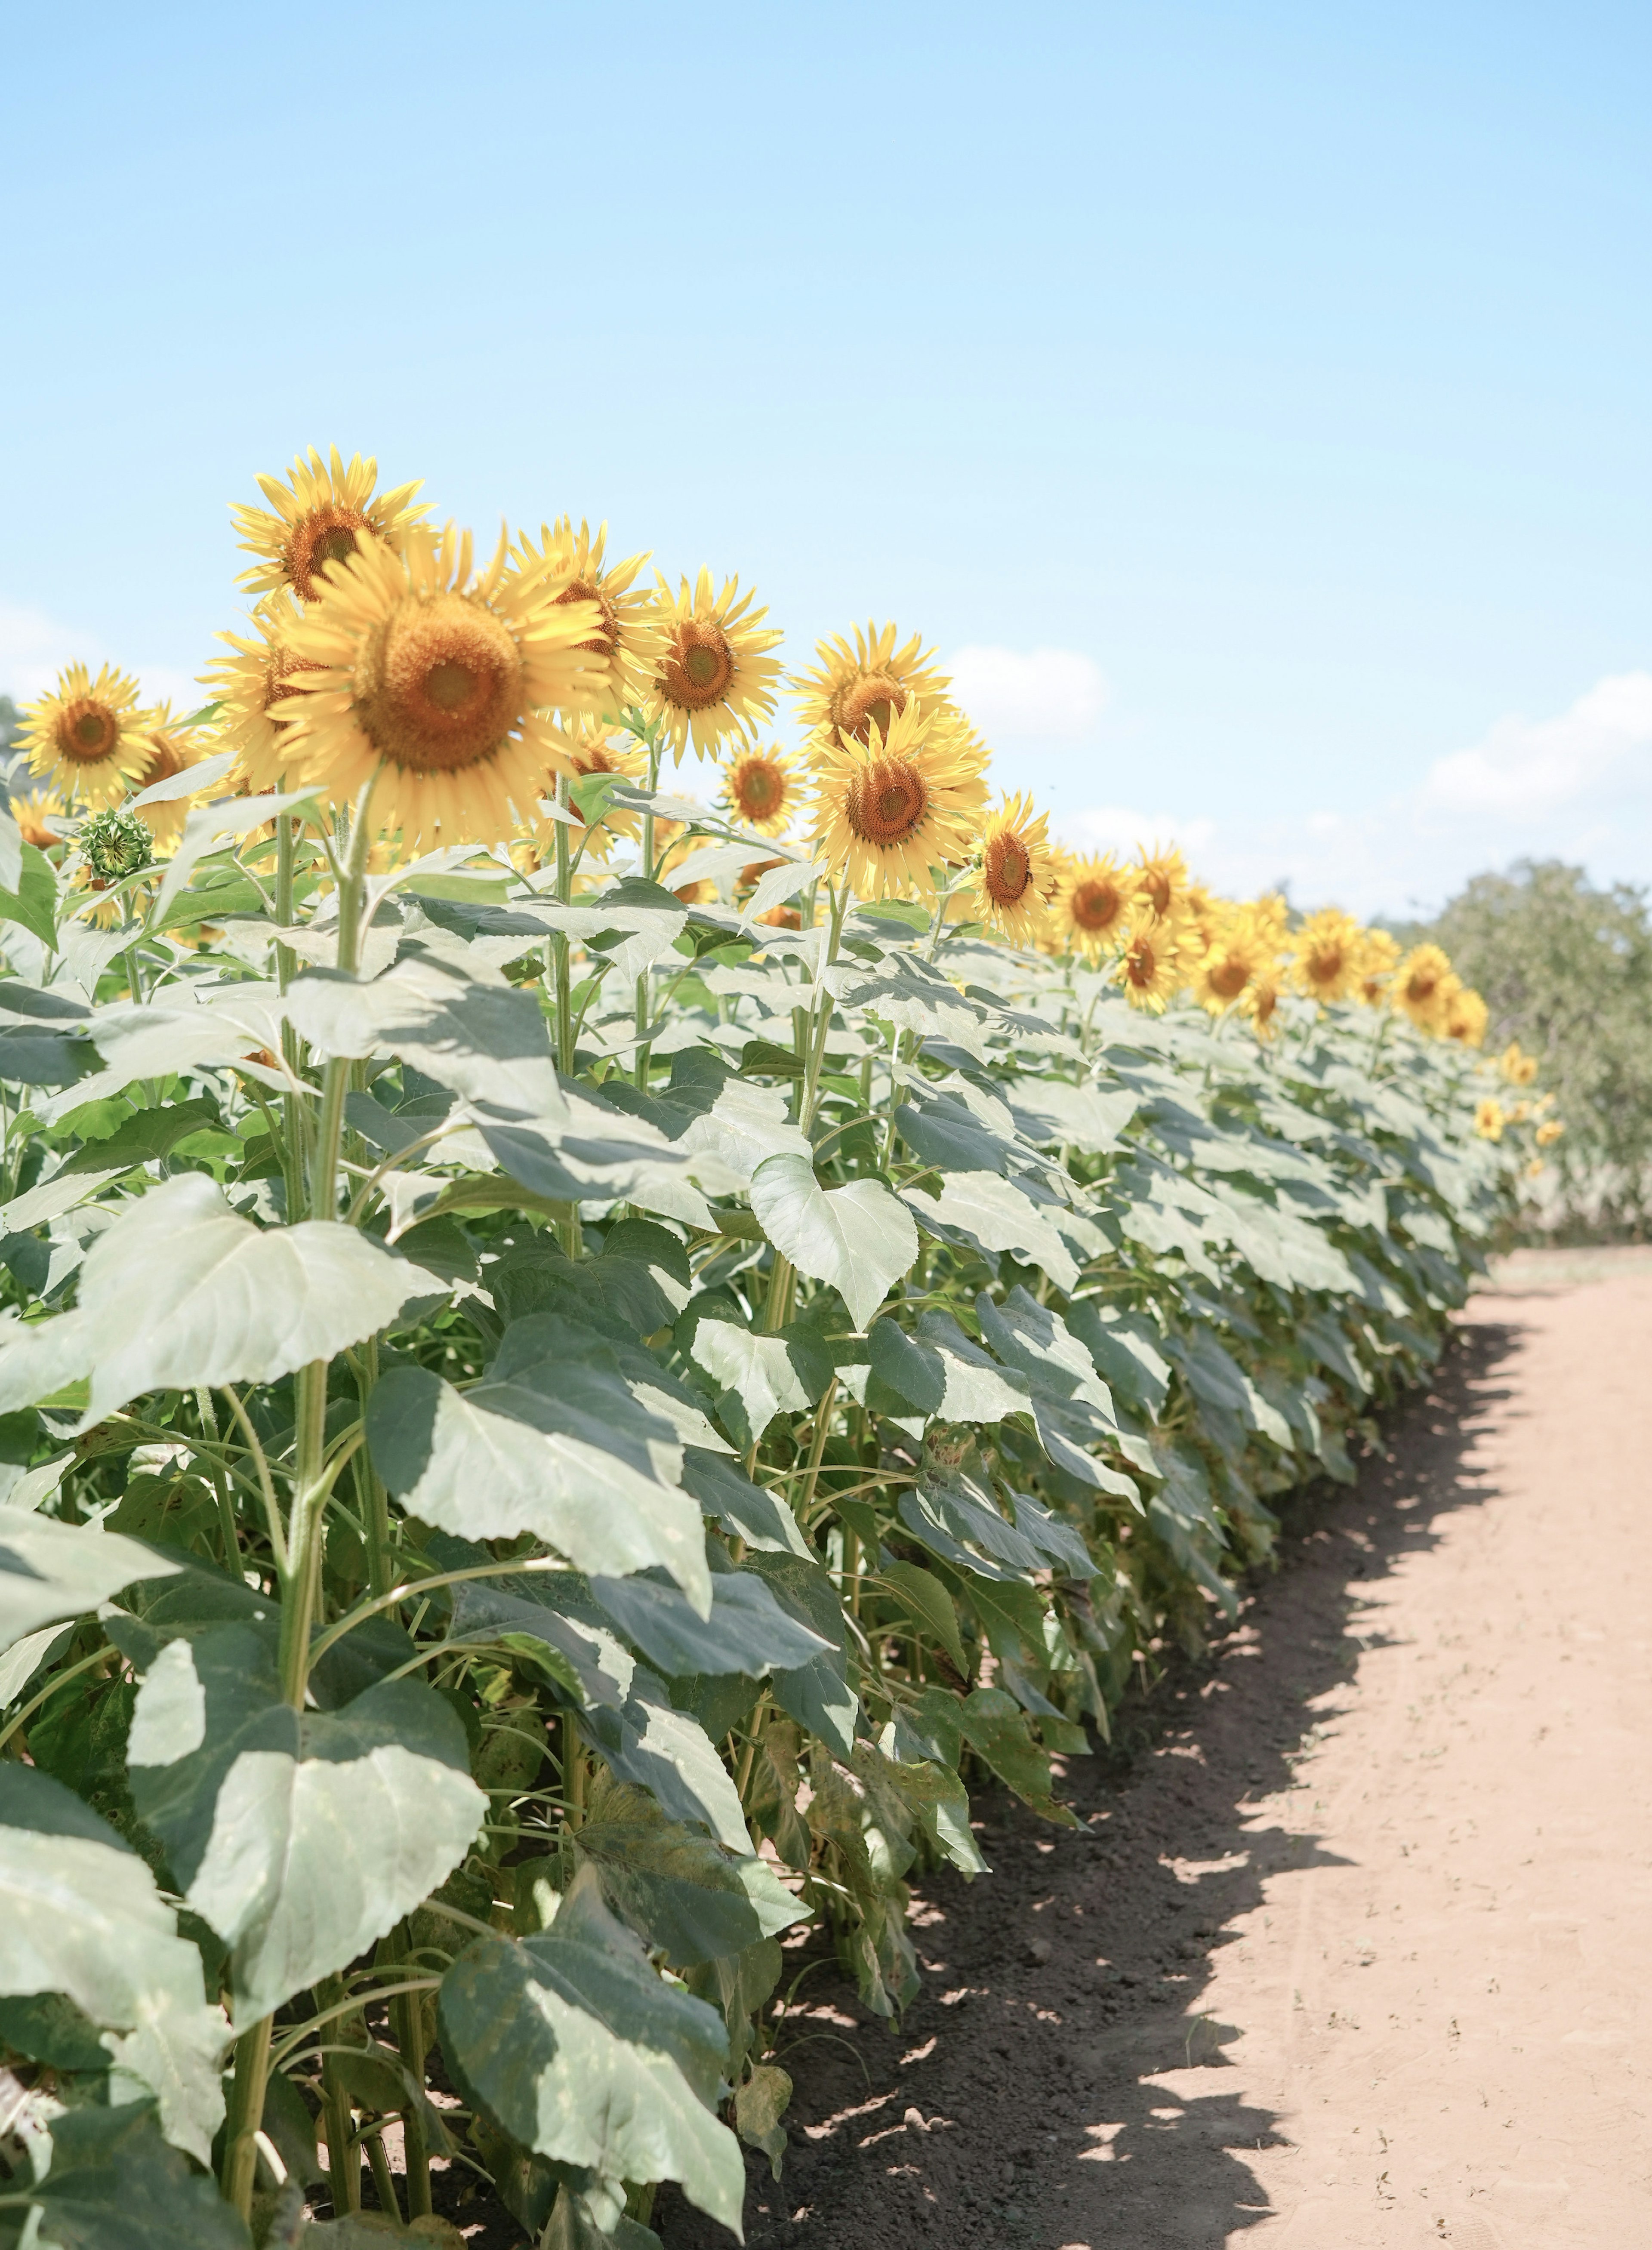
(1072, 1407)
(858, 1237)
(757, 1368)
(675, 1886)
(181, 1293)
(573, 2043)
(995, 1214)
(630, 921)
(31, 897)
(940, 1371)
(561, 1447)
(50, 1569)
(301, 1838)
(482, 1039)
(1125, 1348)
(745, 1510)
(747, 1631)
(115, 2184)
(817, 1694)
(650, 1743)
(145, 1137)
(79, 1914)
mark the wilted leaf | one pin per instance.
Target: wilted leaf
(675, 1886)
(759, 2106)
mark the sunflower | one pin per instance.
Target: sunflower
(1148, 966)
(710, 677)
(1488, 1120)
(31, 809)
(1377, 954)
(88, 735)
(588, 747)
(1162, 881)
(173, 748)
(322, 513)
(437, 680)
(864, 684)
(1092, 904)
(1421, 985)
(1326, 952)
(1549, 1132)
(1226, 963)
(1518, 1068)
(1015, 870)
(762, 788)
(1466, 1017)
(1260, 1000)
(246, 684)
(887, 814)
(574, 561)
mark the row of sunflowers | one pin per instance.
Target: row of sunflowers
(578, 1369)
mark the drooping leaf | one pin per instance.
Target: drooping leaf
(484, 1041)
(115, 2185)
(50, 1570)
(858, 1237)
(994, 1214)
(759, 2106)
(747, 1631)
(675, 1886)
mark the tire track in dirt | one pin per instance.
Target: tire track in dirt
(1353, 1948)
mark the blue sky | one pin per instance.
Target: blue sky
(1254, 402)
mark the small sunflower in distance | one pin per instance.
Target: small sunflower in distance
(1377, 954)
(763, 788)
(1016, 869)
(884, 816)
(1489, 1119)
(588, 747)
(1229, 960)
(173, 748)
(322, 513)
(32, 809)
(87, 736)
(575, 561)
(1422, 986)
(246, 684)
(1162, 881)
(865, 684)
(1258, 1002)
(1326, 954)
(1518, 1068)
(1549, 1132)
(710, 677)
(1149, 967)
(438, 680)
(1093, 902)
(1466, 1016)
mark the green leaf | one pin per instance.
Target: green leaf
(181, 1293)
(1085, 1117)
(994, 1215)
(665, 1751)
(998, 1730)
(757, 1368)
(1124, 1348)
(857, 1238)
(745, 1510)
(818, 1694)
(759, 2106)
(943, 1515)
(1072, 1407)
(939, 1372)
(145, 1138)
(115, 2184)
(632, 920)
(676, 1887)
(561, 1448)
(746, 1631)
(79, 1914)
(33, 901)
(50, 1570)
(914, 997)
(578, 2048)
(927, 1601)
(484, 1041)
(301, 1838)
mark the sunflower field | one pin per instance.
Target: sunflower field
(578, 1362)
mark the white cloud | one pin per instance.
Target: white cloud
(34, 648)
(1115, 828)
(1525, 768)
(1046, 695)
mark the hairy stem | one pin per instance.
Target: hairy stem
(246, 2115)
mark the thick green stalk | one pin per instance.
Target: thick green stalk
(648, 869)
(292, 1117)
(343, 2156)
(407, 2028)
(246, 2115)
(227, 1525)
(370, 1486)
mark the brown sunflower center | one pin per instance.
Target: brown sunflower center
(760, 789)
(327, 535)
(164, 760)
(1096, 904)
(606, 638)
(700, 668)
(1006, 871)
(441, 684)
(1156, 889)
(887, 801)
(1141, 963)
(87, 731)
(1421, 986)
(1267, 1001)
(1230, 977)
(873, 700)
(1325, 964)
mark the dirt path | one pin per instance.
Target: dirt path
(1356, 1951)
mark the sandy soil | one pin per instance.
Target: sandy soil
(1353, 1948)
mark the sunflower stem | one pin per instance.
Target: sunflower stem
(292, 1045)
(246, 2115)
(641, 1072)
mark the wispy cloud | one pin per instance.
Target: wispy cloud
(1523, 769)
(35, 647)
(1041, 695)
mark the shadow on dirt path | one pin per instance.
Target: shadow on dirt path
(1021, 2100)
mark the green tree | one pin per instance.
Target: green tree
(1566, 969)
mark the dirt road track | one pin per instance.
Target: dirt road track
(1356, 1951)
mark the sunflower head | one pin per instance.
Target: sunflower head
(1093, 902)
(1422, 986)
(590, 747)
(1149, 968)
(246, 684)
(87, 736)
(710, 677)
(1549, 1132)
(1489, 1119)
(1465, 1018)
(1377, 954)
(888, 815)
(173, 748)
(1162, 881)
(763, 788)
(1518, 1068)
(33, 809)
(866, 683)
(438, 680)
(1225, 964)
(1326, 954)
(1258, 1002)
(1015, 870)
(572, 565)
(320, 515)
(114, 844)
